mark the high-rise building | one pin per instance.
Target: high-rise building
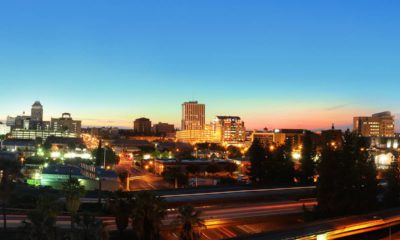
(66, 124)
(230, 129)
(378, 125)
(193, 116)
(142, 126)
(37, 112)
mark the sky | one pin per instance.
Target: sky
(276, 64)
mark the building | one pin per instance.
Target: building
(39, 134)
(193, 116)
(230, 129)
(163, 128)
(208, 134)
(280, 136)
(378, 125)
(66, 124)
(142, 126)
(4, 129)
(26, 147)
(10, 121)
(332, 137)
(37, 112)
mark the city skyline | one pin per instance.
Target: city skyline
(276, 65)
(209, 119)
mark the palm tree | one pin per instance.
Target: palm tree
(121, 207)
(73, 192)
(42, 220)
(9, 171)
(191, 222)
(147, 215)
(90, 228)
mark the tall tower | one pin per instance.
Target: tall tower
(193, 116)
(37, 112)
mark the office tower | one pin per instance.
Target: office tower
(193, 116)
(378, 125)
(37, 112)
(142, 126)
(66, 124)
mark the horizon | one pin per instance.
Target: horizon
(274, 64)
(129, 124)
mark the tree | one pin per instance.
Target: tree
(111, 157)
(257, 155)
(147, 215)
(10, 171)
(190, 220)
(90, 228)
(73, 192)
(230, 167)
(279, 166)
(347, 179)
(121, 208)
(234, 152)
(307, 164)
(391, 197)
(212, 168)
(41, 224)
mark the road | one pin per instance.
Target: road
(353, 227)
(143, 180)
(219, 220)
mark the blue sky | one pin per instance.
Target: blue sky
(274, 63)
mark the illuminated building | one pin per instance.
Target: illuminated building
(378, 125)
(26, 147)
(41, 134)
(208, 134)
(142, 126)
(230, 129)
(66, 124)
(332, 137)
(193, 116)
(279, 136)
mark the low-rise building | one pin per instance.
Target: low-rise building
(39, 134)
(25, 147)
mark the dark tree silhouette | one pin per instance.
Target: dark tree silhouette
(307, 164)
(190, 220)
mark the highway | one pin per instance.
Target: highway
(354, 227)
(218, 219)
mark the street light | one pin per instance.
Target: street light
(104, 155)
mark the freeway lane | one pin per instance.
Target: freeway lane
(213, 216)
(353, 226)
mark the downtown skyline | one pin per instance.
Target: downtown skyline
(276, 65)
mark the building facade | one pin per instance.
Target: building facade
(37, 112)
(163, 128)
(142, 126)
(377, 125)
(230, 129)
(66, 124)
(193, 116)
